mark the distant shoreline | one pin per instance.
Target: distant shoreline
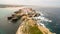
(35, 6)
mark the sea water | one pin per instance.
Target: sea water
(6, 27)
(54, 15)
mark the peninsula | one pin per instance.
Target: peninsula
(28, 24)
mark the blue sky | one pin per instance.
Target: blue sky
(49, 3)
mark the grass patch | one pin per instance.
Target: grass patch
(34, 30)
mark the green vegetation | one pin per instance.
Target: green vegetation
(28, 29)
(34, 30)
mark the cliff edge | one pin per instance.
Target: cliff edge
(30, 26)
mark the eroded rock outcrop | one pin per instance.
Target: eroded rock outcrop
(28, 25)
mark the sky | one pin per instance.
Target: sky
(52, 3)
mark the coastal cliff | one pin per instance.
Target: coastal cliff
(30, 26)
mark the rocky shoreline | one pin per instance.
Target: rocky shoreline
(29, 24)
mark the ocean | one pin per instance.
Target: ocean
(6, 27)
(54, 15)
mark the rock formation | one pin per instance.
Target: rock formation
(29, 25)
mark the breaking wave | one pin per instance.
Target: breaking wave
(40, 19)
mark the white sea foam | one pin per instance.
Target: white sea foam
(41, 24)
(41, 18)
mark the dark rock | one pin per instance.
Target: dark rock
(16, 12)
(19, 17)
(37, 15)
(13, 14)
(9, 18)
(14, 20)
